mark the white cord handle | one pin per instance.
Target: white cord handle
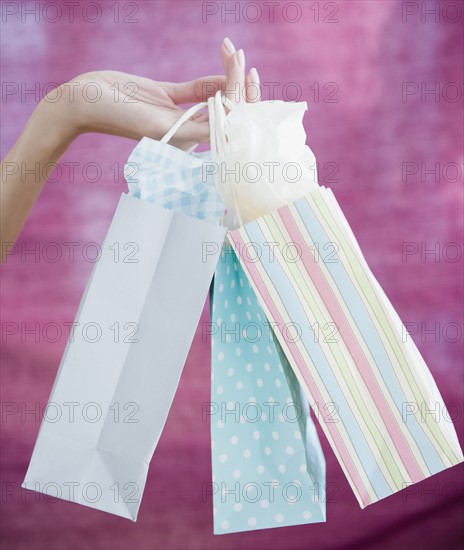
(217, 123)
(181, 121)
(188, 114)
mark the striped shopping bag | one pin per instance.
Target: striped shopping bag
(344, 342)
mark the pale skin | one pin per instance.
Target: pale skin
(153, 109)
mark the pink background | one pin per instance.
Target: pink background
(367, 135)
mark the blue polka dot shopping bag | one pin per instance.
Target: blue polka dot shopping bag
(268, 466)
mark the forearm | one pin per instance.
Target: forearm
(46, 136)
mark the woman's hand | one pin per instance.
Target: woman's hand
(115, 103)
(134, 107)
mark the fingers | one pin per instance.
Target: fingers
(238, 88)
(191, 132)
(234, 68)
(252, 86)
(227, 49)
(195, 91)
(200, 117)
(235, 85)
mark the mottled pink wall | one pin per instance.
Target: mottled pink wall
(359, 55)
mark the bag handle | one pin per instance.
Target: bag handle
(188, 113)
(218, 122)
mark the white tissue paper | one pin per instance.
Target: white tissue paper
(265, 158)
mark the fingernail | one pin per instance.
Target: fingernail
(241, 58)
(229, 46)
(254, 75)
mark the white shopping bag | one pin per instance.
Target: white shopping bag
(118, 377)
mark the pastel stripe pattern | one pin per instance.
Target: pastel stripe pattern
(347, 347)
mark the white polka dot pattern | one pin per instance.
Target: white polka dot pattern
(266, 456)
